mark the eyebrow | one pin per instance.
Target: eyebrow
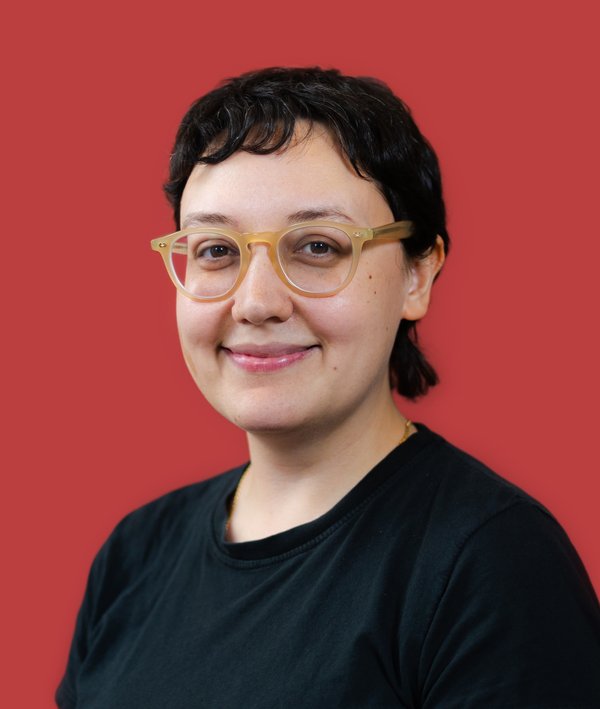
(214, 218)
(302, 215)
(309, 215)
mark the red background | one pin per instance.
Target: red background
(101, 414)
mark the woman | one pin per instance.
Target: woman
(358, 560)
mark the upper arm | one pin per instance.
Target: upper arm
(518, 623)
(97, 597)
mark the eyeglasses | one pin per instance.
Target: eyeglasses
(316, 259)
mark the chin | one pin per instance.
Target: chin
(267, 428)
(259, 414)
(267, 422)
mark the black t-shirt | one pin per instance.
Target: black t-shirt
(433, 583)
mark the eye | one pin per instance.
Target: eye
(317, 248)
(209, 251)
(214, 252)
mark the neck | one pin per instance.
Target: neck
(296, 477)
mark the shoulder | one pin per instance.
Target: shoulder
(177, 508)
(478, 530)
(516, 618)
(131, 567)
(150, 538)
(463, 494)
(510, 611)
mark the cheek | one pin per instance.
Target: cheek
(198, 325)
(373, 302)
(364, 322)
(186, 322)
(196, 322)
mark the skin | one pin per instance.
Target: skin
(318, 425)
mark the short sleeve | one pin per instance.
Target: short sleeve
(518, 622)
(66, 694)
(98, 595)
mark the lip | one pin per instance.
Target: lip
(267, 358)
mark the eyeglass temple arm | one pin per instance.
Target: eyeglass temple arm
(179, 248)
(399, 230)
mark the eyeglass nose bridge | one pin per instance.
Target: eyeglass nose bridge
(270, 239)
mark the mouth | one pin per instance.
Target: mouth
(267, 358)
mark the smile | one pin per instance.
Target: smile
(268, 358)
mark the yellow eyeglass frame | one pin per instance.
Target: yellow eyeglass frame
(359, 236)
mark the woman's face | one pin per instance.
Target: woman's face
(267, 358)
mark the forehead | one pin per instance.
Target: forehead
(309, 173)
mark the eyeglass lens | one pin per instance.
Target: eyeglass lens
(315, 259)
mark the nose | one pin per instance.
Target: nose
(261, 295)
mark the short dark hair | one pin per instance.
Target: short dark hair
(257, 112)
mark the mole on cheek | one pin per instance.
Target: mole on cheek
(370, 276)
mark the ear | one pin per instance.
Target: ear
(422, 273)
